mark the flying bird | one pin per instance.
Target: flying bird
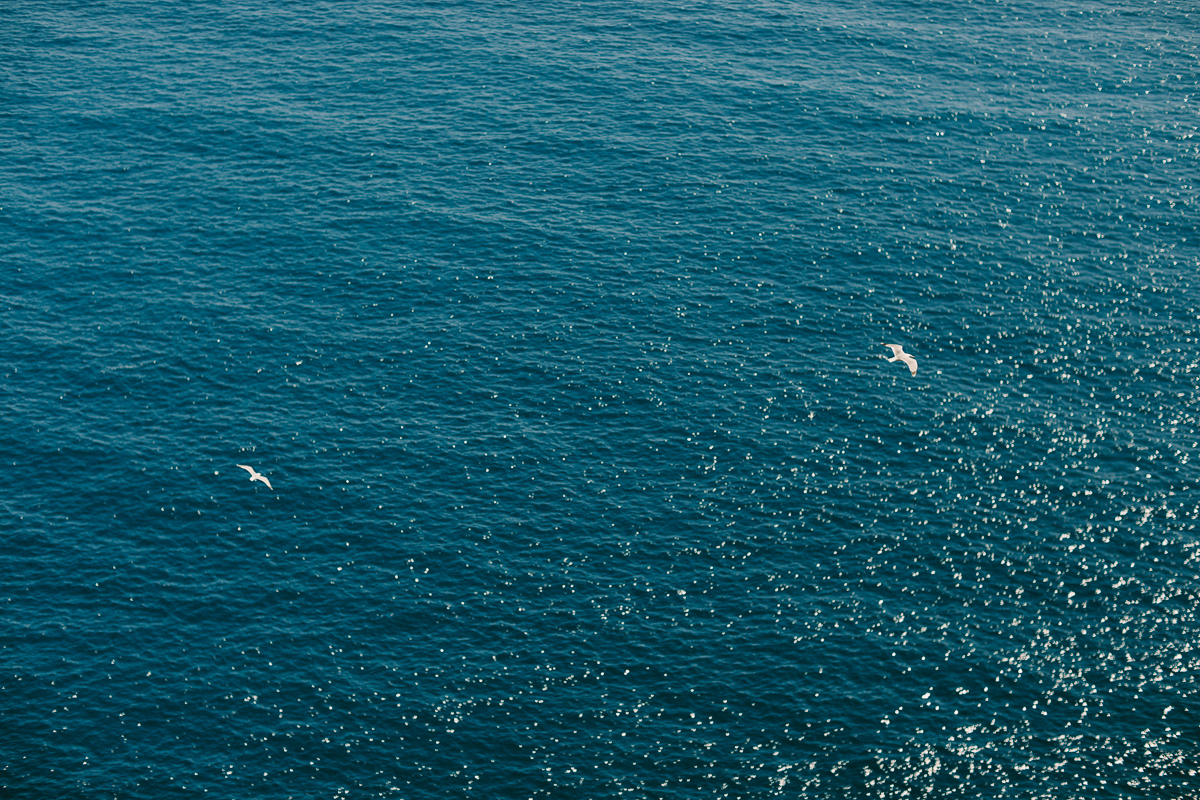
(898, 354)
(254, 476)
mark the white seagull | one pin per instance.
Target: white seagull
(898, 354)
(254, 476)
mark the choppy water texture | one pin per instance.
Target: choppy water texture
(559, 332)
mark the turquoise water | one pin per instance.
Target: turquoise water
(559, 333)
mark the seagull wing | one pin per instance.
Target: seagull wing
(267, 482)
(912, 362)
(897, 350)
(248, 469)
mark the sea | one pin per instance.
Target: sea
(559, 334)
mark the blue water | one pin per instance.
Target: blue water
(559, 332)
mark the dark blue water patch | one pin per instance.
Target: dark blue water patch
(561, 339)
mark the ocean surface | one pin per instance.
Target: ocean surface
(559, 331)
